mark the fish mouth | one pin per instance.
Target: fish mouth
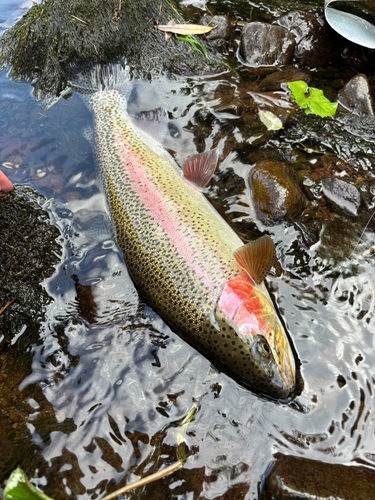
(287, 386)
(285, 369)
(286, 393)
(283, 389)
(283, 380)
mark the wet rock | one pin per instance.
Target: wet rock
(342, 194)
(355, 97)
(28, 253)
(296, 478)
(315, 40)
(357, 57)
(223, 30)
(228, 102)
(345, 134)
(275, 80)
(275, 191)
(266, 46)
(338, 237)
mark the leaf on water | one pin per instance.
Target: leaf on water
(19, 488)
(312, 100)
(270, 120)
(353, 28)
(185, 29)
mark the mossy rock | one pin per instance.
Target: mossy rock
(55, 32)
(28, 253)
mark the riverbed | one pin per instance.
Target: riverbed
(109, 381)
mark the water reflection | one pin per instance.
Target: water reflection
(110, 384)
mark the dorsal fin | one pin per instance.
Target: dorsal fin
(199, 169)
(154, 123)
(256, 257)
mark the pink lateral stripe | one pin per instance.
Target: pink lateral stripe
(162, 212)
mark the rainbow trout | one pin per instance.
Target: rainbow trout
(185, 260)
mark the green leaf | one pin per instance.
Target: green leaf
(19, 488)
(312, 100)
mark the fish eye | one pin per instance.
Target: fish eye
(266, 350)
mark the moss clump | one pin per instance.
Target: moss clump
(28, 253)
(56, 32)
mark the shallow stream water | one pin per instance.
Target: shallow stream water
(117, 381)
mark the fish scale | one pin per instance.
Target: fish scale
(180, 251)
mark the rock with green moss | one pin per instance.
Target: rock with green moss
(54, 33)
(28, 253)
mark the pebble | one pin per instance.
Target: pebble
(342, 194)
(355, 97)
(276, 193)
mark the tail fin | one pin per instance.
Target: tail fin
(89, 78)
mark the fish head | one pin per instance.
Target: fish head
(261, 355)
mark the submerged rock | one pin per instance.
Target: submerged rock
(296, 478)
(274, 80)
(275, 191)
(223, 30)
(315, 45)
(355, 97)
(266, 46)
(342, 194)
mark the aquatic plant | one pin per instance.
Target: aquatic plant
(312, 100)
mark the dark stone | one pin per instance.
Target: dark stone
(275, 191)
(342, 194)
(28, 254)
(315, 42)
(266, 46)
(275, 80)
(223, 30)
(355, 97)
(357, 57)
(300, 478)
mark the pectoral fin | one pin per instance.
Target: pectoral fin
(199, 169)
(256, 258)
